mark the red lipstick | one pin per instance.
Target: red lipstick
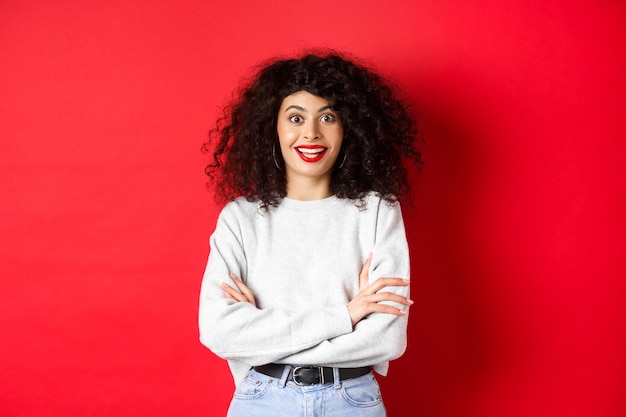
(311, 153)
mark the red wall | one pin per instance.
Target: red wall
(517, 231)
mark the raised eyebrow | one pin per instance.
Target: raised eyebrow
(320, 110)
(293, 106)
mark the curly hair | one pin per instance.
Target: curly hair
(380, 132)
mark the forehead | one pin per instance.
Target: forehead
(305, 100)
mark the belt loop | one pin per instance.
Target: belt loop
(283, 378)
(336, 378)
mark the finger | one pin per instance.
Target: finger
(239, 283)
(381, 283)
(248, 295)
(230, 292)
(243, 288)
(234, 278)
(391, 297)
(387, 309)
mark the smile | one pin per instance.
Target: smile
(311, 153)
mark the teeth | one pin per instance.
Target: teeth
(311, 151)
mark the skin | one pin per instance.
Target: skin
(308, 120)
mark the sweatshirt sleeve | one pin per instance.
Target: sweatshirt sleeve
(239, 331)
(379, 337)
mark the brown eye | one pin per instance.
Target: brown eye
(295, 119)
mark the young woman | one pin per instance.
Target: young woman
(306, 289)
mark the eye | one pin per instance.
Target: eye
(295, 119)
(328, 118)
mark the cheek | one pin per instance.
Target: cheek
(286, 136)
(337, 135)
(283, 142)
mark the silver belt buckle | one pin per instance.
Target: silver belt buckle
(296, 374)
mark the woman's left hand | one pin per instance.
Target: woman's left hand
(244, 294)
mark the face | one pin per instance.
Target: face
(310, 135)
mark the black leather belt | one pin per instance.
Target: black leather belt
(311, 375)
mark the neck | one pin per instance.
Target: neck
(308, 189)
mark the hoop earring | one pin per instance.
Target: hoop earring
(274, 155)
(345, 155)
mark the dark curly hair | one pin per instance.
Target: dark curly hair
(380, 132)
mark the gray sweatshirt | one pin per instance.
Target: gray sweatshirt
(302, 261)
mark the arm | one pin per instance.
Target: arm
(370, 298)
(241, 331)
(377, 312)
(379, 337)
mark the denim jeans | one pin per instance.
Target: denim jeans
(259, 395)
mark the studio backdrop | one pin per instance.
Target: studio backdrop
(516, 225)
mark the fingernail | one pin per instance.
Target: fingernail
(410, 302)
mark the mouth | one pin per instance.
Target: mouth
(311, 153)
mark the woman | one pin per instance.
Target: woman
(306, 289)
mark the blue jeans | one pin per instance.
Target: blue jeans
(259, 395)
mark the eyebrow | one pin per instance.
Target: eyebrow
(321, 109)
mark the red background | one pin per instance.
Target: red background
(517, 231)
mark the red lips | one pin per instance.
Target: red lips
(311, 153)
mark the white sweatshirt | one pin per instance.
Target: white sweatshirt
(302, 261)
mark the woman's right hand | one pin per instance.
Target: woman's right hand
(370, 296)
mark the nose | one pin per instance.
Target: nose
(311, 130)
